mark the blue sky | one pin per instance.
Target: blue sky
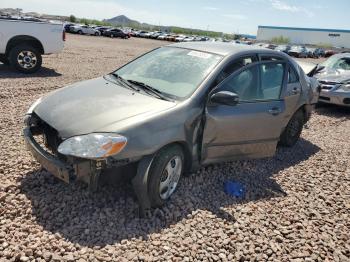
(240, 16)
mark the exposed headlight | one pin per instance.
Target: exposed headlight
(93, 146)
(345, 87)
(31, 108)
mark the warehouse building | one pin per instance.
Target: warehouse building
(313, 36)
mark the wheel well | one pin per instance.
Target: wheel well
(303, 110)
(185, 150)
(24, 39)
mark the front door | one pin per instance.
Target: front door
(252, 128)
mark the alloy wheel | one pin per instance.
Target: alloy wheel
(27, 59)
(170, 177)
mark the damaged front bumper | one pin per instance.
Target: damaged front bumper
(67, 169)
(49, 162)
(87, 171)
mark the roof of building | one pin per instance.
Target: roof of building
(305, 29)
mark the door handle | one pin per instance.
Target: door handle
(295, 91)
(275, 111)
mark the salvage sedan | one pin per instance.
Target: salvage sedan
(169, 112)
(334, 77)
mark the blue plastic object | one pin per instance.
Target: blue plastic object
(234, 189)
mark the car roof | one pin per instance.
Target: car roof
(220, 48)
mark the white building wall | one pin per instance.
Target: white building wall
(339, 38)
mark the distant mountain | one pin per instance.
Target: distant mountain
(122, 20)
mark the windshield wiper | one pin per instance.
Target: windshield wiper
(151, 89)
(125, 82)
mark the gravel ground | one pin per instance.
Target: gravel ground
(297, 205)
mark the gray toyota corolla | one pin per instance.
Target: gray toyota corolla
(169, 112)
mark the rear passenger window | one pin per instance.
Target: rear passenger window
(292, 76)
(271, 58)
(271, 80)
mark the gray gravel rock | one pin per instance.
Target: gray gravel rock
(296, 208)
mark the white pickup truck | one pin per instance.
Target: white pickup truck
(23, 41)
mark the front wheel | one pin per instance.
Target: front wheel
(96, 34)
(25, 58)
(292, 132)
(164, 174)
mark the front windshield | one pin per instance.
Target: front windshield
(176, 72)
(335, 62)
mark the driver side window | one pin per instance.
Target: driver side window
(234, 66)
(245, 84)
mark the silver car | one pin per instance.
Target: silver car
(334, 78)
(169, 112)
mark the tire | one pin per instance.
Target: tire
(4, 60)
(112, 35)
(172, 158)
(292, 132)
(80, 32)
(25, 58)
(96, 34)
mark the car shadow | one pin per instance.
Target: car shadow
(8, 72)
(333, 110)
(109, 216)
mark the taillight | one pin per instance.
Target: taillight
(64, 35)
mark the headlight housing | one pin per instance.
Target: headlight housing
(93, 146)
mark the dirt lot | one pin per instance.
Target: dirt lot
(297, 206)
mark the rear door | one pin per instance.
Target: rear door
(252, 128)
(291, 94)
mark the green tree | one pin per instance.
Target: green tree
(72, 19)
(280, 40)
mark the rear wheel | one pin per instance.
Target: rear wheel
(292, 132)
(25, 58)
(96, 34)
(164, 174)
(112, 35)
(80, 32)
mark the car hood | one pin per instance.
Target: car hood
(331, 75)
(90, 106)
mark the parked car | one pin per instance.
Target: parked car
(334, 77)
(143, 34)
(180, 38)
(270, 46)
(102, 29)
(163, 36)
(283, 48)
(214, 102)
(189, 39)
(67, 27)
(330, 52)
(172, 38)
(84, 30)
(115, 32)
(298, 51)
(319, 52)
(23, 42)
(155, 35)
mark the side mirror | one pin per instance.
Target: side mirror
(225, 98)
